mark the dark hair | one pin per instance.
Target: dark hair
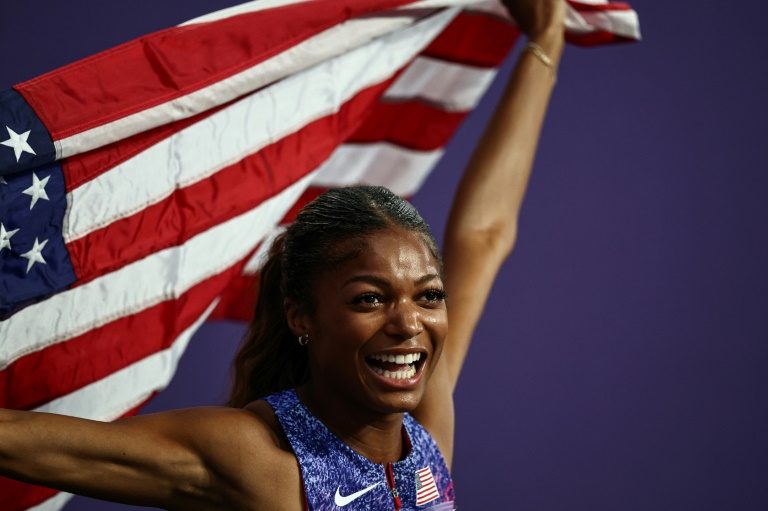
(271, 359)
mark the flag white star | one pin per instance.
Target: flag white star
(3, 181)
(37, 190)
(18, 143)
(5, 237)
(35, 255)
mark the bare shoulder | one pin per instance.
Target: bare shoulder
(245, 455)
(249, 453)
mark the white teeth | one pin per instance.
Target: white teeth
(397, 375)
(398, 359)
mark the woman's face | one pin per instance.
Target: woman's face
(379, 323)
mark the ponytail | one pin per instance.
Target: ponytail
(270, 359)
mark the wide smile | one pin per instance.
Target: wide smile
(397, 368)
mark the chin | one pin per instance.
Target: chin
(394, 397)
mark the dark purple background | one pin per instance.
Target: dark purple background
(621, 362)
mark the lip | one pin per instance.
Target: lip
(405, 383)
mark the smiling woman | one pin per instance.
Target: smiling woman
(344, 386)
(355, 340)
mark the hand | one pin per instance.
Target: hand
(538, 18)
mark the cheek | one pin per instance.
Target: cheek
(348, 331)
(437, 323)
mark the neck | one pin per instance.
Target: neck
(376, 436)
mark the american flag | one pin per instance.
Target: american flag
(138, 185)
(426, 489)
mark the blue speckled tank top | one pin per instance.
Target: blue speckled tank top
(336, 478)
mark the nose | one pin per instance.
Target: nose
(405, 320)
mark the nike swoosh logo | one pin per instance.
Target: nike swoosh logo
(342, 501)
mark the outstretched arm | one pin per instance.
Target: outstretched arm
(185, 459)
(482, 225)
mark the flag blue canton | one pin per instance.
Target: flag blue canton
(34, 261)
(24, 141)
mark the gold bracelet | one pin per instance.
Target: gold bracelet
(539, 53)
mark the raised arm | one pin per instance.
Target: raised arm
(186, 459)
(482, 225)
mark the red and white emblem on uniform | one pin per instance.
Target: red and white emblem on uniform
(426, 489)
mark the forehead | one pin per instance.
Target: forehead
(394, 253)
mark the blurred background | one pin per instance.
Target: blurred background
(622, 362)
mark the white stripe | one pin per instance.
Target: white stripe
(162, 276)
(622, 23)
(335, 41)
(492, 8)
(247, 7)
(594, 2)
(241, 130)
(452, 87)
(112, 397)
(55, 503)
(399, 169)
(436, 4)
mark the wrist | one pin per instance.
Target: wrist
(537, 51)
(551, 42)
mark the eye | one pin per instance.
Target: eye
(434, 296)
(368, 299)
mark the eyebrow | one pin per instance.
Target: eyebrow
(378, 281)
(426, 278)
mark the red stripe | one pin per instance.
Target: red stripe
(17, 496)
(597, 38)
(308, 196)
(65, 367)
(172, 63)
(238, 299)
(613, 6)
(228, 193)
(411, 124)
(423, 499)
(475, 39)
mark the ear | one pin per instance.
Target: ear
(298, 320)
